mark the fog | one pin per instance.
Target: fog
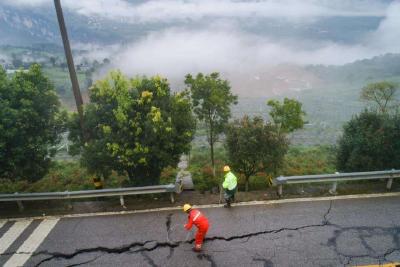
(206, 36)
(222, 47)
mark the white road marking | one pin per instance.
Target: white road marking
(2, 223)
(249, 203)
(12, 234)
(31, 244)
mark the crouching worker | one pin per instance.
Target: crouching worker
(229, 185)
(200, 221)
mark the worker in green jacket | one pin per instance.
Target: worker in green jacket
(229, 185)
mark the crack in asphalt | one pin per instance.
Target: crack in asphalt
(168, 222)
(147, 246)
(85, 262)
(267, 262)
(362, 233)
(118, 250)
(380, 258)
(168, 226)
(208, 258)
(325, 222)
(148, 259)
(157, 245)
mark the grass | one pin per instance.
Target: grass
(302, 160)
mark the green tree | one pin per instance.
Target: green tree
(30, 124)
(370, 142)
(381, 94)
(287, 116)
(212, 100)
(135, 126)
(254, 146)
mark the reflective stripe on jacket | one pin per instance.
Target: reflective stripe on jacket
(197, 218)
(230, 181)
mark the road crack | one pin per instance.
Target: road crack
(85, 262)
(362, 233)
(267, 262)
(119, 250)
(144, 246)
(208, 258)
(148, 259)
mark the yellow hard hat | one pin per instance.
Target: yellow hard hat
(226, 168)
(186, 207)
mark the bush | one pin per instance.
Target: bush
(370, 142)
(201, 169)
(309, 160)
(203, 180)
(62, 176)
(9, 186)
(168, 175)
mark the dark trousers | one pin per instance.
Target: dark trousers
(230, 195)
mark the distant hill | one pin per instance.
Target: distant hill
(25, 27)
(361, 71)
(330, 102)
(38, 24)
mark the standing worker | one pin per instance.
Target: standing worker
(197, 218)
(229, 185)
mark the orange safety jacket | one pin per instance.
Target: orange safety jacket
(197, 218)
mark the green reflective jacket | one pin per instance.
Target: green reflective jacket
(230, 181)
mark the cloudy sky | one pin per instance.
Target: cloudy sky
(166, 10)
(223, 44)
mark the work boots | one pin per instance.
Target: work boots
(197, 248)
(228, 204)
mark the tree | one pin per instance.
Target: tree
(135, 126)
(370, 142)
(287, 116)
(30, 124)
(212, 100)
(381, 94)
(254, 146)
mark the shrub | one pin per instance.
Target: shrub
(168, 175)
(62, 176)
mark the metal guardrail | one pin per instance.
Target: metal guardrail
(351, 176)
(121, 192)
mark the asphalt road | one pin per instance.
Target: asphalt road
(317, 233)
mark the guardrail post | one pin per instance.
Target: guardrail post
(280, 189)
(332, 191)
(121, 200)
(19, 203)
(389, 183)
(20, 206)
(172, 197)
(69, 201)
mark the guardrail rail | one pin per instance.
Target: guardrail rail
(335, 178)
(121, 192)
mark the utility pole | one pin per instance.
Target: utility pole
(71, 66)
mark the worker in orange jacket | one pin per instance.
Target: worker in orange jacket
(197, 218)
